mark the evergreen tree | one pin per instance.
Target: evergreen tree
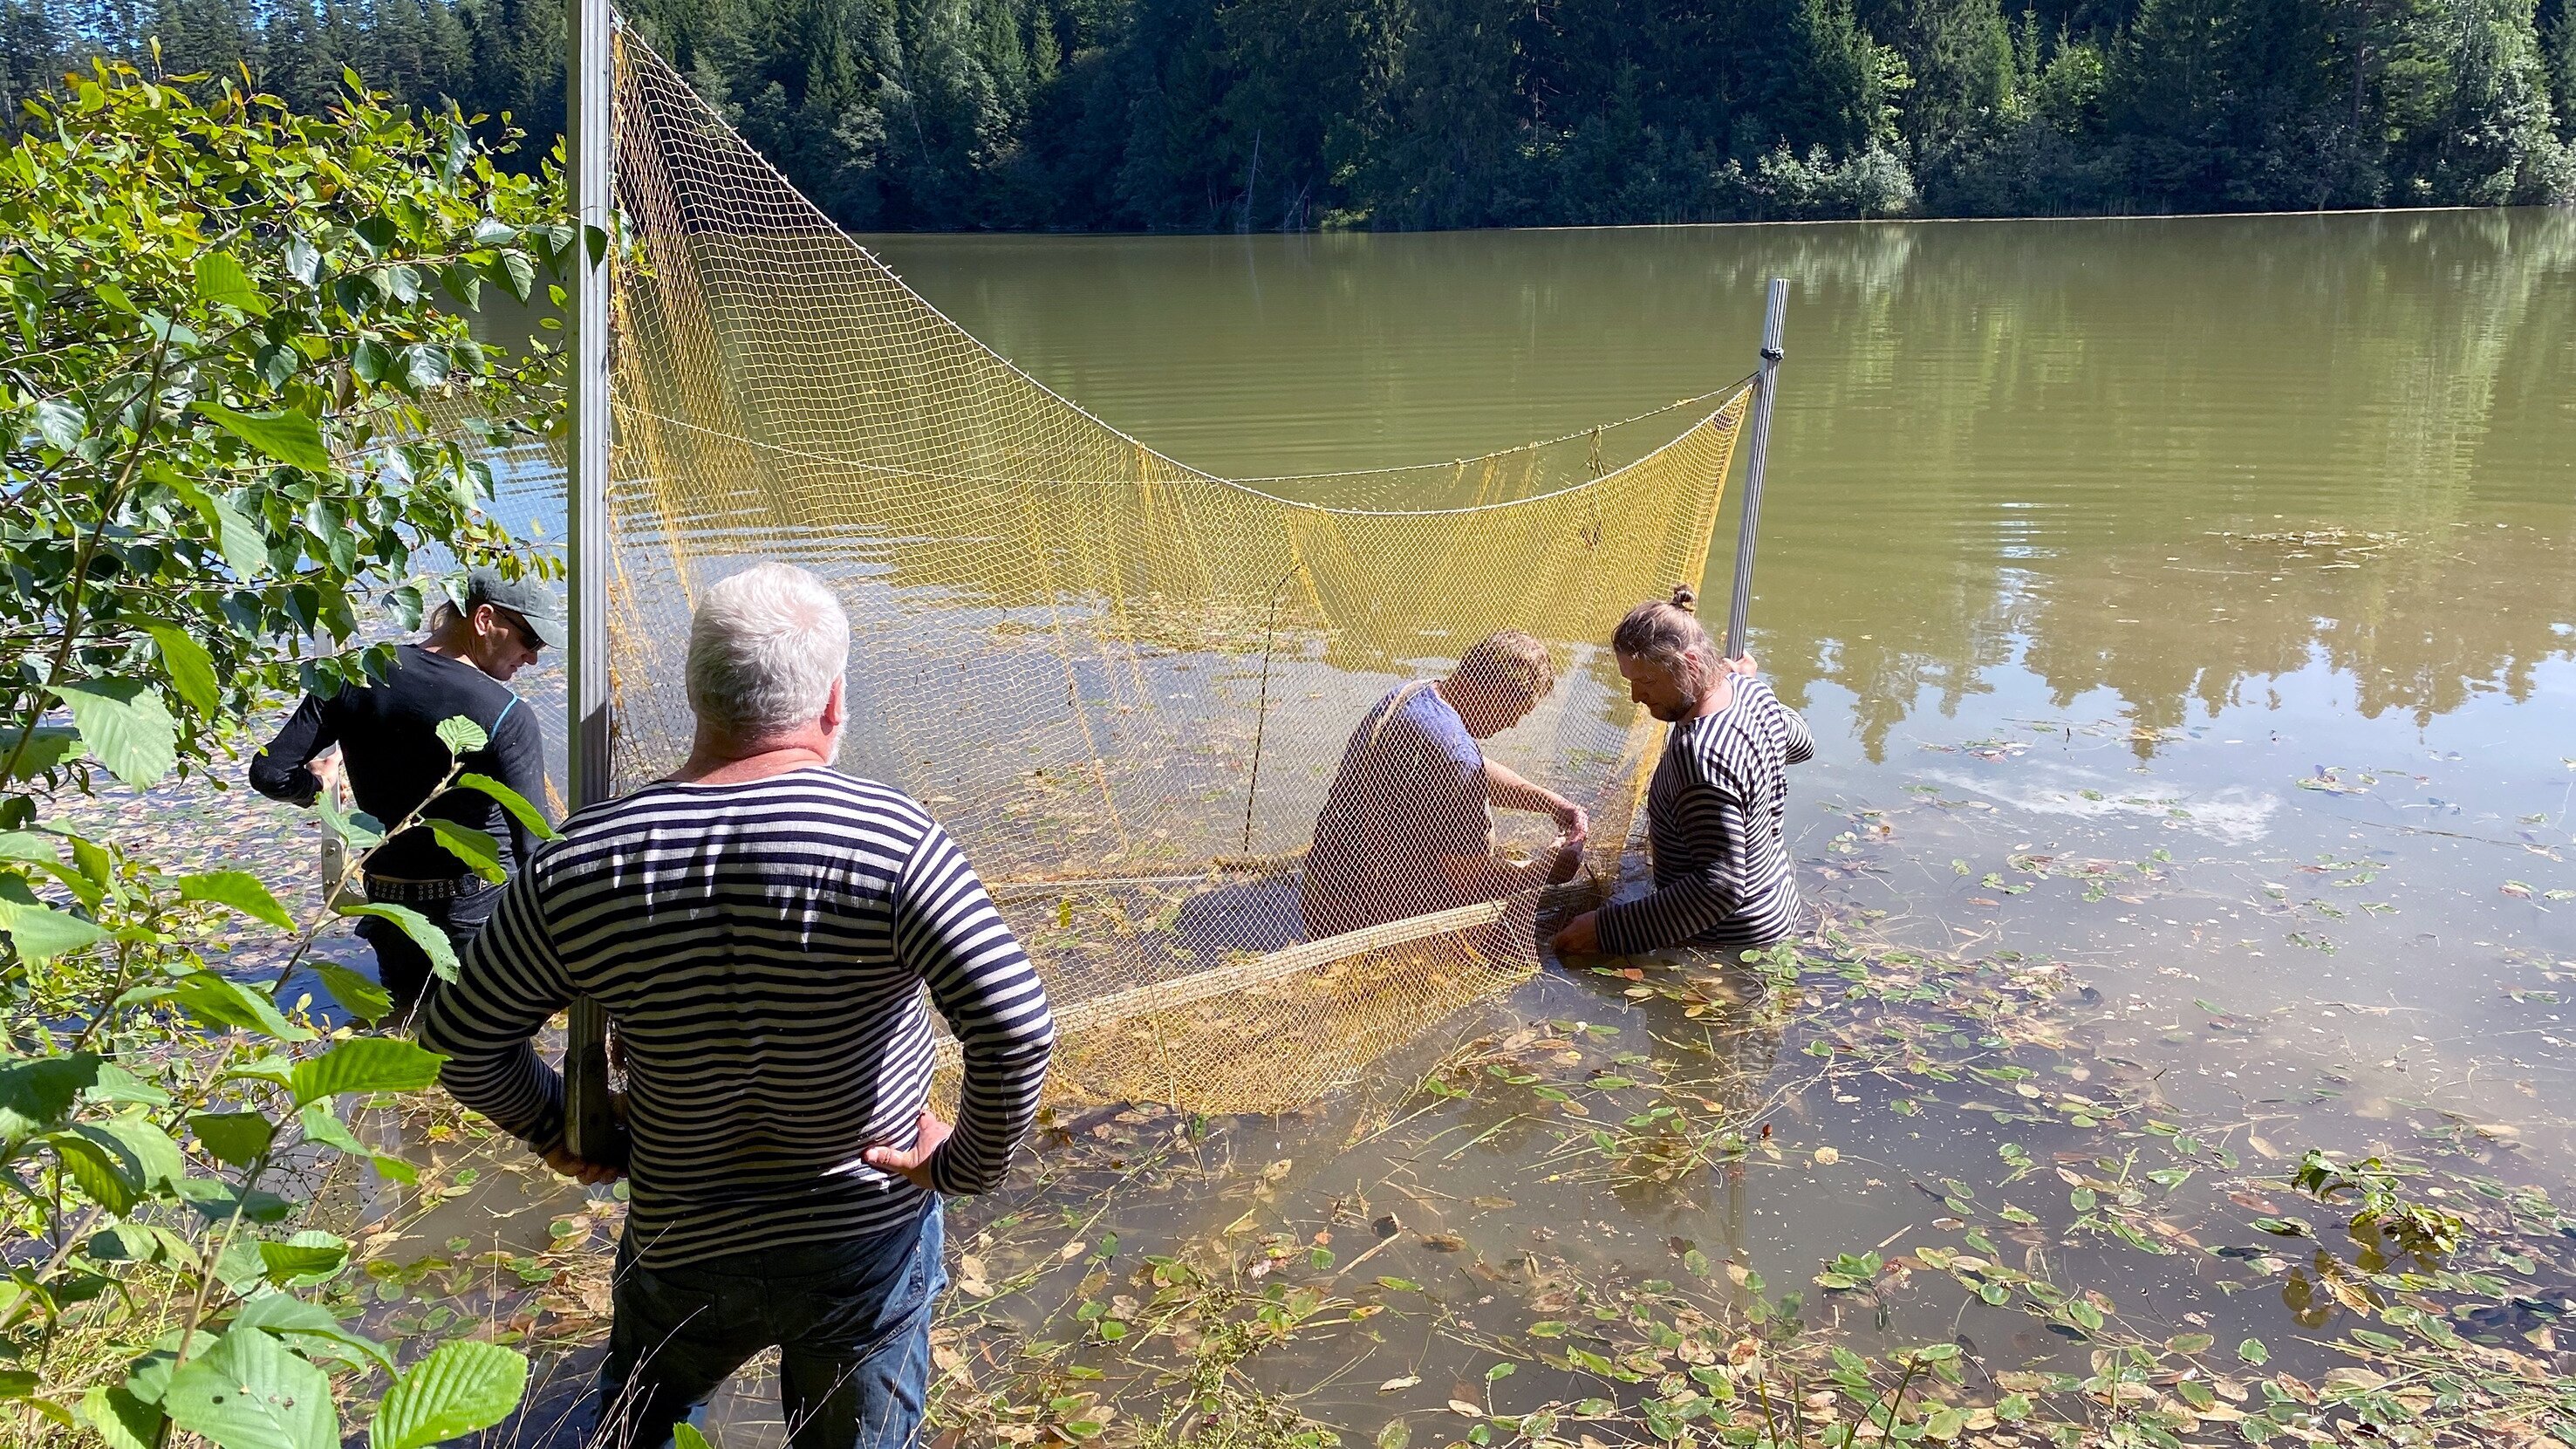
(2477, 129)
(36, 48)
(1255, 114)
(1450, 143)
(1959, 56)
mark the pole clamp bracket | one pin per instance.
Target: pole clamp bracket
(1772, 354)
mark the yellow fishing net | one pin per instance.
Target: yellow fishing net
(1123, 685)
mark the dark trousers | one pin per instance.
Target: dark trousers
(401, 966)
(851, 1322)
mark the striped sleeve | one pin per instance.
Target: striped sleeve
(509, 984)
(1709, 820)
(1801, 745)
(947, 929)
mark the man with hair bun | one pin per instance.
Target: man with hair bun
(1715, 809)
(1408, 824)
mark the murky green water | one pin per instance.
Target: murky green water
(2185, 613)
(2252, 506)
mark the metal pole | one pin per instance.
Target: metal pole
(1773, 312)
(590, 81)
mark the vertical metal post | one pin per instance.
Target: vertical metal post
(590, 82)
(1774, 311)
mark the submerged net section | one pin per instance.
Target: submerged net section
(1123, 685)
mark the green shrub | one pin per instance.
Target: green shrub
(231, 326)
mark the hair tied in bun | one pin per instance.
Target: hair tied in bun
(1684, 596)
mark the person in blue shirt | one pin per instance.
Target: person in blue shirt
(1408, 827)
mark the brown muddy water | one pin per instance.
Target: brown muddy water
(2185, 614)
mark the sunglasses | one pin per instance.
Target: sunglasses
(519, 630)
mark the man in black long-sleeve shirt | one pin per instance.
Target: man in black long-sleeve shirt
(389, 745)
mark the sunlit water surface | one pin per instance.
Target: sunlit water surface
(2181, 606)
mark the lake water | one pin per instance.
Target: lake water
(2079, 537)
(2185, 614)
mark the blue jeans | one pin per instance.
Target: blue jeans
(851, 1322)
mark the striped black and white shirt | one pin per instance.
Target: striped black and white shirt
(762, 948)
(1714, 815)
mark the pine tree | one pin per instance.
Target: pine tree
(1206, 114)
(2558, 35)
(35, 50)
(1449, 147)
(1959, 54)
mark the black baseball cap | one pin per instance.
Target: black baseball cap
(524, 597)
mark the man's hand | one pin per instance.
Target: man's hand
(913, 1166)
(588, 1174)
(329, 776)
(583, 1170)
(1580, 937)
(1571, 818)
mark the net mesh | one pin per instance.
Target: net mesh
(1123, 685)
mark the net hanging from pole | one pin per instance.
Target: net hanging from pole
(1123, 685)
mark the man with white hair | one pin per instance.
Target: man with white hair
(760, 928)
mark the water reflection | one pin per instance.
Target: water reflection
(2092, 451)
